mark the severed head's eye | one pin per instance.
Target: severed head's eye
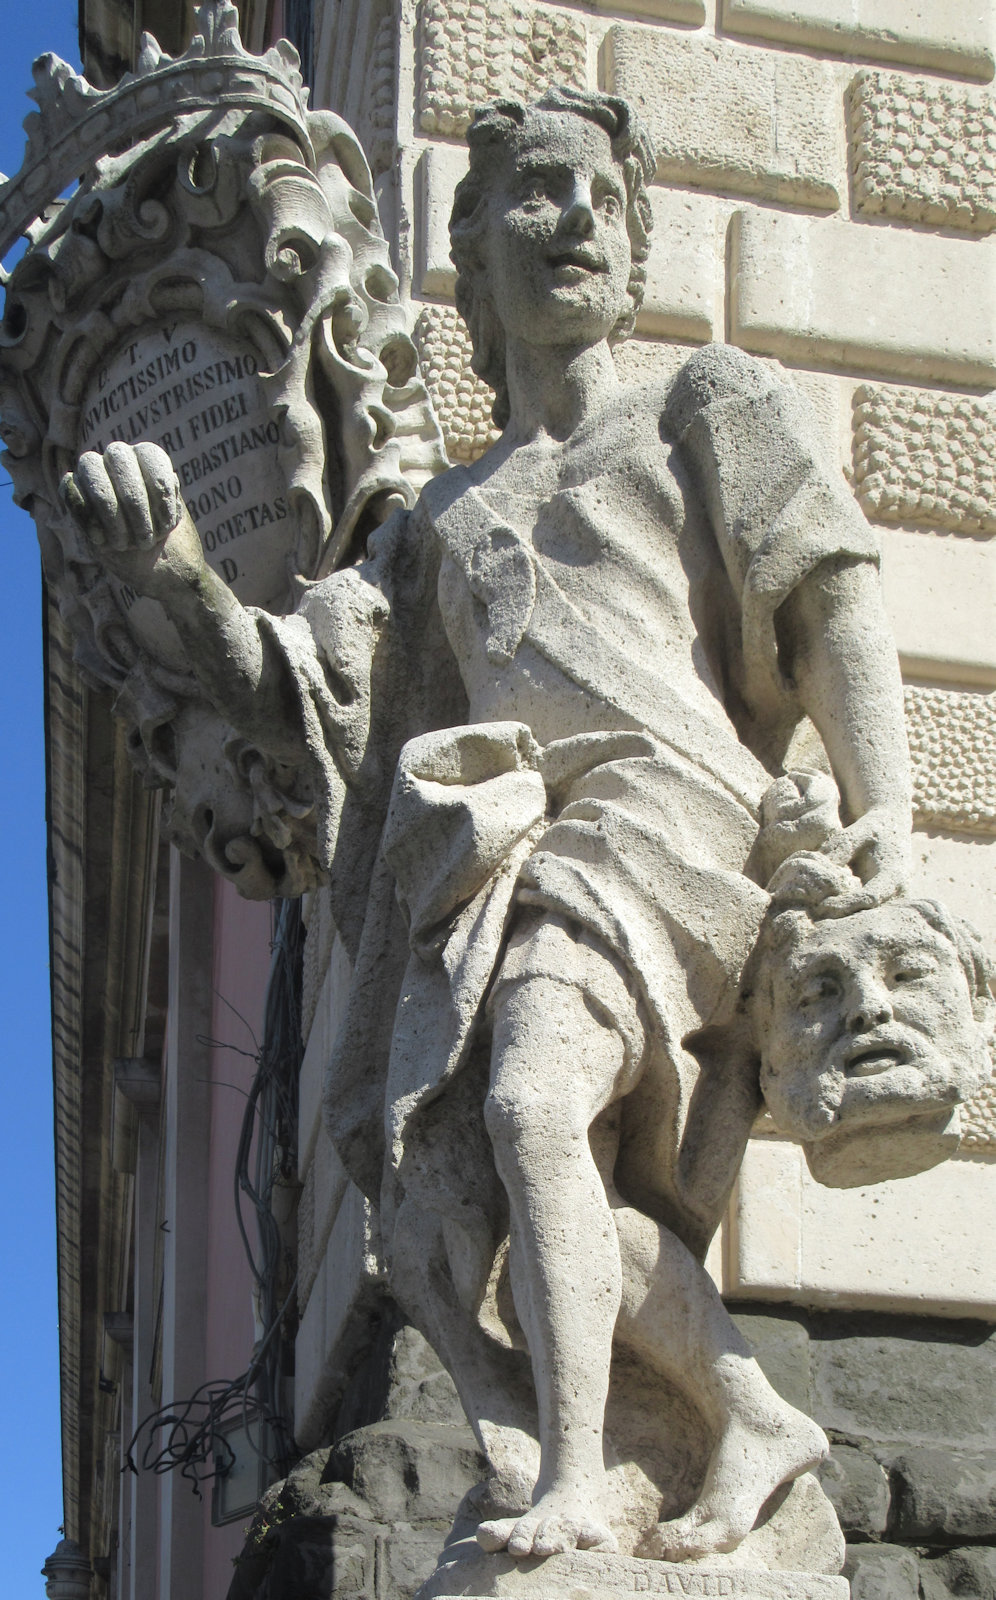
(817, 989)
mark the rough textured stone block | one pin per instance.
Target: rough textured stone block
(462, 401)
(882, 1572)
(956, 35)
(940, 595)
(471, 51)
(877, 1247)
(883, 1383)
(923, 151)
(963, 1573)
(843, 295)
(944, 1496)
(731, 118)
(925, 458)
(858, 1490)
(952, 738)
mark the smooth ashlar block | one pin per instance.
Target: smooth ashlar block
(877, 1247)
(925, 458)
(940, 595)
(727, 117)
(852, 296)
(954, 35)
(472, 51)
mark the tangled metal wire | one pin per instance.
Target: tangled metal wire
(190, 1435)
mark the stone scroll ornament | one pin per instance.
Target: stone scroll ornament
(217, 284)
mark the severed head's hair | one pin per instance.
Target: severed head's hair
(503, 124)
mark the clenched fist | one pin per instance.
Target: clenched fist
(128, 504)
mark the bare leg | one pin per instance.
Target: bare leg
(672, 1314)
(555, 1066)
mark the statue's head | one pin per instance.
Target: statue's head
(871, 1028)
(550, 227)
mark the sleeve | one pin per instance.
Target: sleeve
(777, 505)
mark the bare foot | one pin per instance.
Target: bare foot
(556, 1523)
(753, 1457)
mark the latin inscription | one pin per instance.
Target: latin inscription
(199, 396)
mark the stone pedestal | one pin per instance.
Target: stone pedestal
(467, 1571)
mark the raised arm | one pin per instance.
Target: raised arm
(128, 503)
(836, 644)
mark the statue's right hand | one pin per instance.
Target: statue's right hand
(127, 502)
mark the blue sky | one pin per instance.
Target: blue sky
(30, 1466)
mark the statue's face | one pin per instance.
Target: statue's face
(557, 250)
(871, 1023)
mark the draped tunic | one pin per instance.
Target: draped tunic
(586, 705)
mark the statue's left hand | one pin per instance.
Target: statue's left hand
(127, 502)
(855, 869)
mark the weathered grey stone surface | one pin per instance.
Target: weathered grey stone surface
(882, 1572)
(944, 1496)
(968, 1574)
(858, 1489)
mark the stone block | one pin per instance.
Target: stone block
(462, 401)
(858, 1490)
(441, 168)
(842, 295)
(472, 51)
(925, 459)
(725, 117)
(880, 1383)
(877, 1247)
(956, 36)
(952, 735)
(939, 595)
(923, 151)
(781, 1345)
(666, 10)
(599, 1575)
(944, 1496)
(968, 1574)
(684, 277)
(409, 1471)
(882, 1572)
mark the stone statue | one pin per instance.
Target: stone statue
(534, 730)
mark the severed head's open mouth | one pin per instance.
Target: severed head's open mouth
(868, 1059)
(579, 257)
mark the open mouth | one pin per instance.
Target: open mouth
(873, 1058)
(577, 258)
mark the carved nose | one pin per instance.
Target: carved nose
(869, 1008)
(579, 216)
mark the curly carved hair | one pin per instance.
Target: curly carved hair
(503, 123)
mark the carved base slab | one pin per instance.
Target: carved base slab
(469, 1572)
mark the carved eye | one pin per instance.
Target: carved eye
(612, 207)
(825, 986)
(912, 971)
